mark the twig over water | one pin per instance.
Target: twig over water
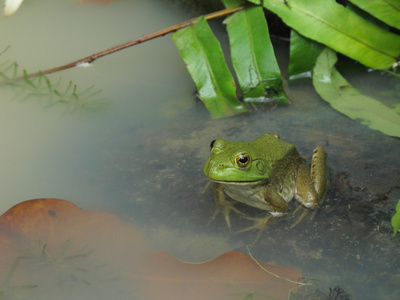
(144, 38)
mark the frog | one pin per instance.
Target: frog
(267, 174)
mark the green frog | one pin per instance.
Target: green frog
(266, 173)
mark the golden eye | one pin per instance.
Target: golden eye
(242, 160)
(276, 135)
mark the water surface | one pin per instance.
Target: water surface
(141, 156)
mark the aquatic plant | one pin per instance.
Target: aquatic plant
(256, 69)
(365, 31)
(48, 92)
(64, 263)
(319, 29)
(10, 291)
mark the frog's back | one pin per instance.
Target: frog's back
(272, 148)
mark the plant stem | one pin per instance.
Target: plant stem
(144, 38)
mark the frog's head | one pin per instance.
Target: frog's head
(242, 161)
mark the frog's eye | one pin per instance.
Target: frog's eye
(212, 145)
(276, 135)
(242, 160)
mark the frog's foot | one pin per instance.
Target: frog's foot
(259, 223)
(303, 212)
(224, 207)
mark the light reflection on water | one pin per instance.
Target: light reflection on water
(141, 156)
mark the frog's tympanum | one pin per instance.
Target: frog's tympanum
(266, 173)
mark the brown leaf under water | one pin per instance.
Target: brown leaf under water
(233, 275)
(54, 221)
(46, 243)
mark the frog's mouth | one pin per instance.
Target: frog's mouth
(254, 182)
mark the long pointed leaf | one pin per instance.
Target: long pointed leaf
(339, 28)
(333, 88)
(253, 56)
(388, 11)
(233, 3)
(205, 61)
(303, 55)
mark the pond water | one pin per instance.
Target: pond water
(140, 156)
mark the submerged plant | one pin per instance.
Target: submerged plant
(10, 291)
(63, 263)
(74, 272)
(48, 92)
(67, 265)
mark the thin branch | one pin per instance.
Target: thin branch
(144, 38)
(272, 273)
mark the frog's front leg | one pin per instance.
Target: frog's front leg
(278, 207)
(223, 205)
(311, 186)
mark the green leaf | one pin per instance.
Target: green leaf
(332, 24)
(233, 3)
(253, 56)
(205, 61)
(388, 11)
(333, 88)
(303, 55)
(396, 219)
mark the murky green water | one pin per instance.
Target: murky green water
(141, 156)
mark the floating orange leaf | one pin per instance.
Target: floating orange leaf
(232, 275)
(53, 222)
(45, 240)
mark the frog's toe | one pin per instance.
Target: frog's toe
(259, 223)
(299, 217)
(225, 209)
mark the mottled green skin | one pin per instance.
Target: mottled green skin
(274, 175)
